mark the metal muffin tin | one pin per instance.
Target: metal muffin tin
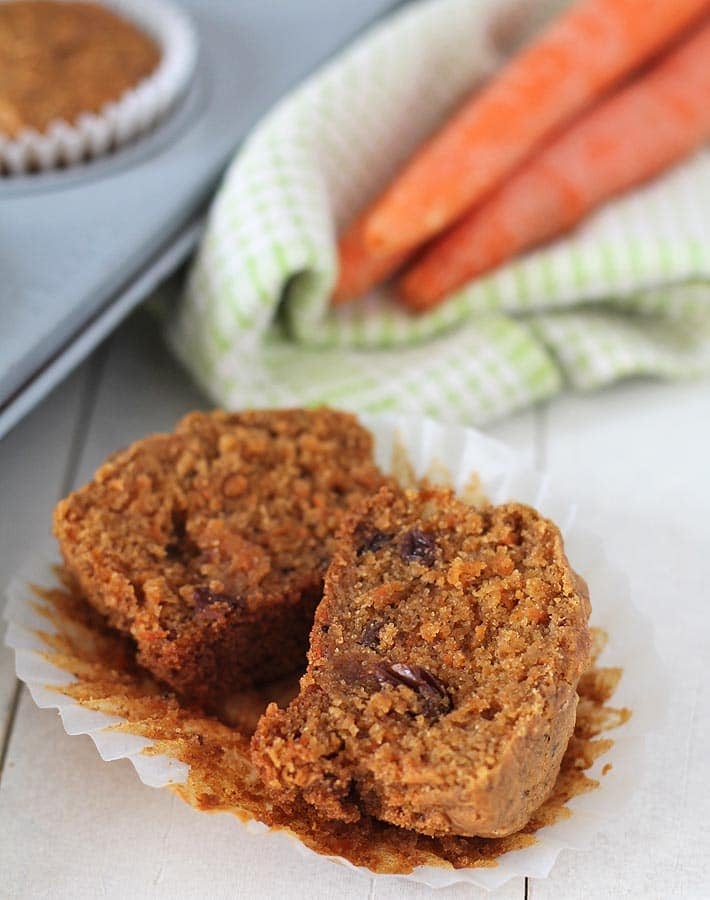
(79, 248)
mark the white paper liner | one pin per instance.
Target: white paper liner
(122, 120)
(431, 448)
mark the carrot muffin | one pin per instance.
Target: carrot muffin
(61, 59)
(440, 693)
(209, 545)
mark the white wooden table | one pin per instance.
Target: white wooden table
(636, 458)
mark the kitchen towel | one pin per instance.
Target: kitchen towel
(627, 293)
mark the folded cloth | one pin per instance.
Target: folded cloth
(627, 293)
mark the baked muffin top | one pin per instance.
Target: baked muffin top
(209, 545)
(243, 504)
(59, 60)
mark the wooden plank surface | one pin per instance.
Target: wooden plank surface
(637, 459)
(142, 390)
(35, 463)
(91, 829)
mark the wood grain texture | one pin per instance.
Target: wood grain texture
(636, 459)
(142, 390)
(90, 829)
(35, 458)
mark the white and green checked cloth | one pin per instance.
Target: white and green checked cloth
(628, 293)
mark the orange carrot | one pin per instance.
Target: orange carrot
(581, 54)
(358, 269)
(663, 115)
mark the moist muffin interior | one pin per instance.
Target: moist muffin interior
(448, 639)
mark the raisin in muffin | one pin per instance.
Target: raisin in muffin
(440, 693)
(209, 545)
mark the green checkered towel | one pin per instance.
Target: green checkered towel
(627, 293)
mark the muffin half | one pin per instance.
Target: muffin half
(440, 693)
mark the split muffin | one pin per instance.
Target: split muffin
(209, 546)
(440, 693)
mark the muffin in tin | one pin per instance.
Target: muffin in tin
(77, 79)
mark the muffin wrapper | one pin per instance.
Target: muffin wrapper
(120, 121)
(453, 456)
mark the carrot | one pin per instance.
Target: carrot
(581, 54)
(662, 115)
(358, 269)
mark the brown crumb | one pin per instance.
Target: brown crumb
(59, 60)
(222, 777)
(459, 734)
(208, 546)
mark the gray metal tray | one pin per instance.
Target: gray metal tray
(81, 247)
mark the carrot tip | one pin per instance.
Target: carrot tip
(414, 299)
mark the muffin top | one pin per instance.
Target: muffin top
(242, 505)
(59, 60)
(209, 545)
